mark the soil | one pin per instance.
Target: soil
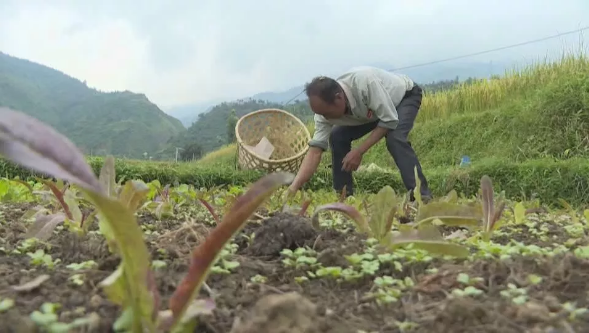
(280, 304)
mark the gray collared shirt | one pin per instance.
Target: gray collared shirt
(373, 94)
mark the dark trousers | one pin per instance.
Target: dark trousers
(397, 143)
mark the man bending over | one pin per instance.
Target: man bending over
(361, 101)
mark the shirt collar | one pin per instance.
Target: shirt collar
(350, 100)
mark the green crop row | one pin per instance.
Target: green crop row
(548, 180)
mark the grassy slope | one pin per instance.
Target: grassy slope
(120, 123)
(538, 112)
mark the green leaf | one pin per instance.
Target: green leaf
(35, 145)
(58, 195)
(205, 254)
(72, 202)
(383, 211)
(519, 212)
(107, 177)
(348, 210)
(451, 197)
(449, 213)
(488, 201)
(44, 225)
(29, 142)
(417, 189)
(427, 238)
(115, 287)
(135, 257)
(133, 194)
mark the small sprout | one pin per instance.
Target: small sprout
(83, 265)
(463, 278)
(158, 264)
(258, 279)
(356, 258)
(467, 280)
(534, 279)
(332, 271)
(26, 245)
(582, 252)
(573, 311)
(468, 291)
(370, 267)
(384, 281)
(39, 258)
(517, 295)
(77, 279)
(405, 326)
(301, 257)
(6, 304)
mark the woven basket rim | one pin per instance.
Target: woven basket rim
(271, 110)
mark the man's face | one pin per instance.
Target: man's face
(329, 111)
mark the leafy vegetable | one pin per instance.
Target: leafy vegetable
(449, 214)
(35, 145)
(381, 215)
(427, 238)
(206, 253)
(490, 214)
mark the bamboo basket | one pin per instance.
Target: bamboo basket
(285, 132)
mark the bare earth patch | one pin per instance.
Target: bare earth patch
(263, 294)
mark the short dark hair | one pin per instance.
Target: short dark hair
(324, 87)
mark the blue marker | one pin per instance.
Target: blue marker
(465, 161)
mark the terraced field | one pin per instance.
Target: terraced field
(286, 272)
(89, 251)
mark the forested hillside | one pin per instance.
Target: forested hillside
(210, 131)
(118, 123)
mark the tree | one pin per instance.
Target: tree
(231, 122)
(191, 151)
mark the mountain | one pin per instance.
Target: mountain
(283, 96)
(442, 71)
(119, 123)
(187, 114)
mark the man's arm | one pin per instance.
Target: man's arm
(318, 145)
(375, 136)
(308, 168)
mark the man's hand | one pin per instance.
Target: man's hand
(288, 194)
(352, 160)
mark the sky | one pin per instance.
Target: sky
(182, 52)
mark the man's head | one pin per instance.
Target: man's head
(326, 97)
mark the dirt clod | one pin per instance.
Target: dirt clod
(285, 313)
(282, 231)
(280, 313)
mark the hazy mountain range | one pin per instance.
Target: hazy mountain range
(423, 74)
(128, 124)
